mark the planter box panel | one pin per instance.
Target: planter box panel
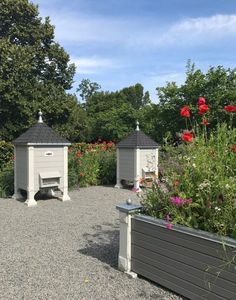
(183, 259)
(176, 251)
(195, 243)
(169, 252)
(174, 283)
(183, 271)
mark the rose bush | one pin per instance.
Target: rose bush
(92, 164)
(198, 188)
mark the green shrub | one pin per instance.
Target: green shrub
(198, 187)
(7, 180)
(6, 153)
(91, 164)
(108, 167)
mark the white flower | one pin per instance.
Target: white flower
(204, 185)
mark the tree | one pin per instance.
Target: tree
(217, 85)
(34, 71)
(87, 89)
(134, 95)
(112, 115)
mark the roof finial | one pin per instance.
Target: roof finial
(40, 120)
(137, 125)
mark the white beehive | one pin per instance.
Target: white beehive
(41, 163)
(137, 158)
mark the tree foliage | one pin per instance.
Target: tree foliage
(34, 71)
(112, 115)
(87, 89)
(217, 85)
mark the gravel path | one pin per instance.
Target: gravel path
(67, 251)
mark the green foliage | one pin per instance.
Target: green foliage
(217, 85)
(6, 153)
(87, 89)
(198, 182)
(135, 96)
(7, 180)
(34, 74)
(108, 167)
(91, 164)
(112, 115)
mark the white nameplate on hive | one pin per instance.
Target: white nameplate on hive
(48, 153)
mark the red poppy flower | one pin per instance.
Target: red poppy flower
(104, 143)
(176, 182)
(187, 137)
(230, 108)
(233, 148)
(205, 122)
(78, 154)
(202, 109)
(201, 101)
(185, 111)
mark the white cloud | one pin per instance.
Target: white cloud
(76, 28)
(92, 65)
(214, 24)
(197, 30)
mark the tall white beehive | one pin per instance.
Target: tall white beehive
(41, 163)
(137, 158)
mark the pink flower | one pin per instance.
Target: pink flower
(168, 218)
(177, 201)
(169, 226)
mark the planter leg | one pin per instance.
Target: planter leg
(124, 259)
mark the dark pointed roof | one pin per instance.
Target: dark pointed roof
(40, 134)
(137, 139)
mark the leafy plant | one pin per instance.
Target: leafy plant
(91, 164)
(198, 187)
(7, 180)
(108, 167)
(6, 153)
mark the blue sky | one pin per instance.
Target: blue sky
(118, 43)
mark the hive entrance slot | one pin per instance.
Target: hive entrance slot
(49, 179)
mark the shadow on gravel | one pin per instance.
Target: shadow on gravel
(103, 245)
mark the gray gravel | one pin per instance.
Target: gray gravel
(67, 250)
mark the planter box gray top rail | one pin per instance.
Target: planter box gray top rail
(190, 231)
